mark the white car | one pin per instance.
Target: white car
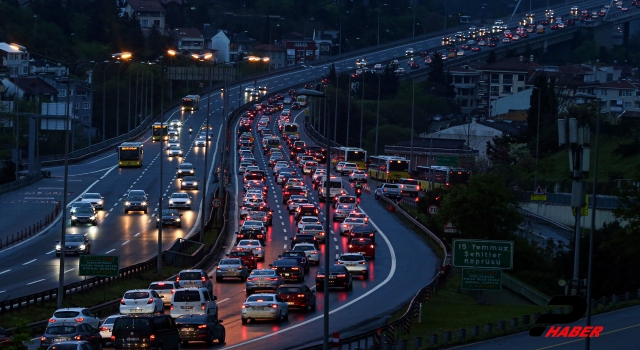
(339, 166)
(399, 71)
(180, 200)
(249, 89)
(316, 230)
(294, 201)
(141, 301)
(254, 245)
(95, 199)
(201, 141)
(264, 306)
(173, 142)
(349, 223)
(279, 166)
(378, 66)
(173, 133)
(174, 151)
(308, 220)
(356, 263)
(359, 215)
(409, 51)
(358, 176)
(253, 225)
(75, 314)
(313, 255)
(342, 211)
(287, 100)
(176, 123)
(107, 327)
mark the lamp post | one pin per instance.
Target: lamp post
(327, 226)
(375, 151)
(348, 106)
(535, 182)
(65, 186)
(17, 94)
(413, 109)
(160, 184)
(413, 6)
(121, 56)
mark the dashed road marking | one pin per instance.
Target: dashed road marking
(30, 283)
(109, 251)
(127, 241)
(29, 262)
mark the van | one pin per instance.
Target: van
(194, 278)
(190, 301)
(409, 187)
(145, 332)
(335, 189)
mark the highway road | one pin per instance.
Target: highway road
(32, 266)
(621, 331)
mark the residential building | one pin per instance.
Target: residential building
(619, 96)
(276, 54)
(35, 89)
(80, 98)
(52, 69)
(150, 13)
(188, 40)
(300, 50)
(219, 43)
(240, 44)
(15, 59)
(324, 42)
(504, 78)
(465, 83)
(512, 107)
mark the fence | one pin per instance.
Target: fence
(25, 181)
(32, 230)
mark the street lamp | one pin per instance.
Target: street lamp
(362, 110)
(348, 105)
(327, 227)
(121, 56)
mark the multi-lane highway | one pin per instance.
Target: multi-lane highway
(403, 263)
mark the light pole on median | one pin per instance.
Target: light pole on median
(121, 57)
(327, 227)
(65, 187)
(104, 98)
(348, 106)
(159, 262)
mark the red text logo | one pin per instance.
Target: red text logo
(573, 331)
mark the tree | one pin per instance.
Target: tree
(548, 102)
(484, 210)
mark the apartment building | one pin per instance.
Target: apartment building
(150, 13)
(15, 60)
(188, 40)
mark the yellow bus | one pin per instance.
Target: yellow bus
(442, 176)
(190, 102)
(130, 154)
(350, 154)
(159, 132)
(388, 168)
(289, 129)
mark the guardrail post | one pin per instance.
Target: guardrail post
(514, 322)
(614, 299)
(526, 319)
(475, 331)
(403, 344)
(417, 343)
(502, 325)
(560, 310)
(488, 328)
(447, 338)
(462, 333)
(434, 339)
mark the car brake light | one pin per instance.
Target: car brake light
(244, 306)
(178, 279)
(78, 337)
(80, 319)
(300, 295)
(52, 320)
(363, 263)
(122, 302)
(202, 326)
(350, 245)
(202, 306)
(171, 306)
(152, 337)
(113, 338)
(371, 246)
(338, 262)
(103, 328)
(150, 301)
(342, 275)
(203, 279)
(43, 338)
(275, 306)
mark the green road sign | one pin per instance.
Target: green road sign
(483, 254)
(447, 161)
(481, 279)
(99, 265)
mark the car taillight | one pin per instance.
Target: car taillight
(113, 338)
(103, 328)
(244, 306)
(371, 246)
(203, 279)
(273, 306)
(202, 326)
(171, 306)
(273, 278)
(150, 301)
(122, 302)
(202, 306)
(338, 262)
(152, 337)
(52, 320)
(78, 337)
(350, 245)
(178, 279)
(341, 275)
(80, 319)
(294, 268)
(43, 338)
(418, 188)
(363, 263)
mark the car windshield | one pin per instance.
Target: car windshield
(136, 198)
(186, 295)
(186, 166)
(67, 313)
(260, 298)
(161, 286)
(91, 196)
(351, 258)
(313, 227)
(169, 212)
(230, 262)
(61, 330)
(191, 319)
(189, 178)
(335, 184)
(294, 254)
(175, 148)
(136, 193)
(345, 206)
(190, 276)
(132, 324)
(241, 254)
(179, 195)
(73, 238)
(361, 241)
(299, 247)
(309, 219)
(110, 320)
(136, 295)
(84, 210)
(249, 242)
(263, 273)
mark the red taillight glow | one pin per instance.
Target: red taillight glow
(202, 326)
(203, 279)
(342, 275)
(80, 319)
(178, 279)
(113, 338)
(122, 302)
(78, 337)
(150, 301)
(275, 306)
(103, 328)
(52, 320)
(202, 306)
(152, 337)
(171, 306)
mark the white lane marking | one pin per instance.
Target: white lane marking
(221, 301)
(2, 291)
(127, 241)
(280, 212)
(284, 230)
(110, 251)
(70, 270)
(30, 283)
(335, 239)
(337, 256)
(51, 252)
(337, 247)
(5, 271)
(392, 272)
(280, 217)
(29, 262)
(91, 172)
(148, 222)
(285, 246)
(137, 234)
(285, 238)
(111, 209)
(105, 215)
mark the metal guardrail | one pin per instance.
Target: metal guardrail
(25, 181)
(561, 229)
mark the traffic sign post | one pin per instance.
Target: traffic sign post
(216, 202)
(584, 210)
(449, 228)
(481, 254)
(447, 161)
(432, 209)
(482, 279)
(99, 265)
(539, 194)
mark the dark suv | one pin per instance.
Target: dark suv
(148, 332)
(303, 238)
(135, 202)
(362, 232)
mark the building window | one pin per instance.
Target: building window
(86, 105)
(156, 23)
(144, 23)
(62, 93)
(309, 52)
(624, 92)
(520, 77)
(637, 104)
(81, 93)
(507, 88)
(627, 105)
(603, 92)
(85, 119)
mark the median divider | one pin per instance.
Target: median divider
(32, 230)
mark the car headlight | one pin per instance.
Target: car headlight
(188, 202)
(191, 171)
(178, 219)
(82, 247)
(170, 202)
(58, 247)
(127, 203)
(92, 217)
(73, 217)
(100, 201)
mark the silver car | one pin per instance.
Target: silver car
(231, 267)
(294, 201)
(201, 141)
(313, 255)
(356, 263)
(188, 182)
(254, 245)
(180, 200)
(80, 204)
(342, 211)
(349, 223)
(314, 229)
(263, 279)
(95, 199)
(165, 290)
(174, 151)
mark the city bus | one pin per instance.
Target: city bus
(388, 168)
(350, 154)
(290, 129)
(190, 102)
(159, 132)
(302, 100)
(442, 176)
(130, 154)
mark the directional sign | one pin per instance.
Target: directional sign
(539, 194)
(216, 202)
(449, 228)
(99, 265)
(481, 279)
(447, 161)
(483, 254)
(432, 209)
